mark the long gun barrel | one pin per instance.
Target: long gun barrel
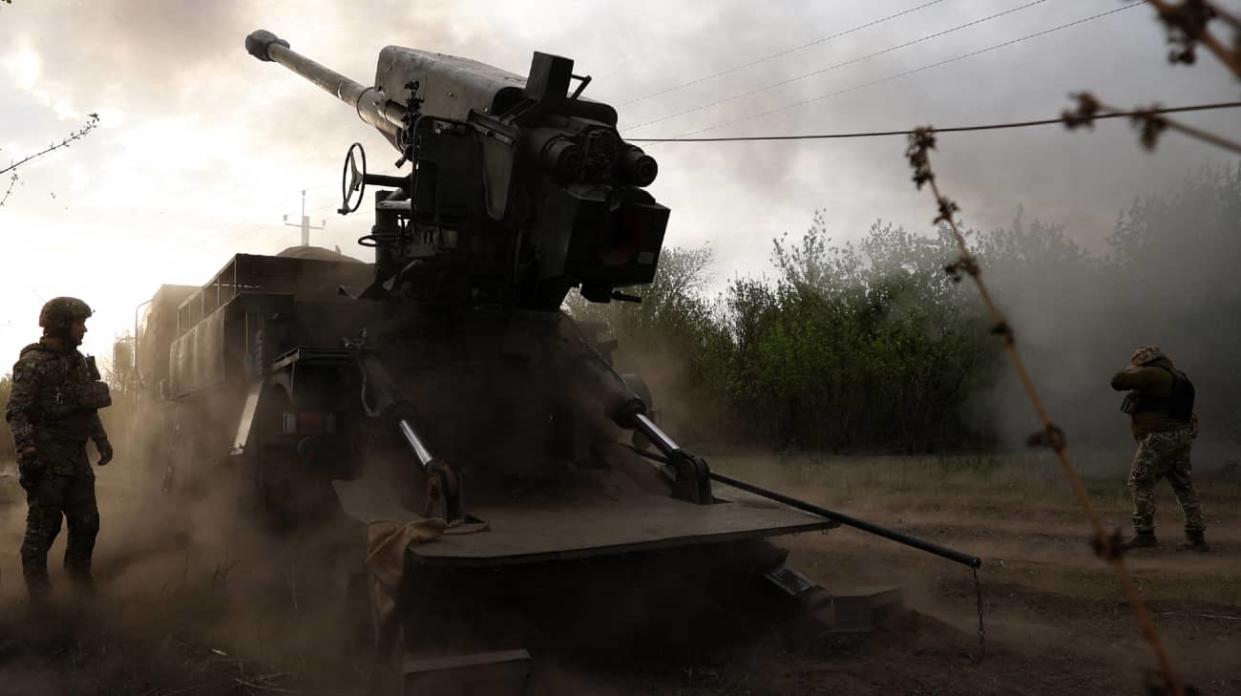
(480, 138)
(370, 103)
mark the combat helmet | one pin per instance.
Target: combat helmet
(59, 313)
(1146, 354)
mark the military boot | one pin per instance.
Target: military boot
(1194, 541)
(1141, 540)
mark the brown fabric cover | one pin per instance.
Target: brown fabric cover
(386, 545)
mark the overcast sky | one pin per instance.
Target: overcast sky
(201, 149)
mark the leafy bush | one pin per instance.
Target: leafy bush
(870, 345)
(851, 345)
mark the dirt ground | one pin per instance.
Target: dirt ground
(180, 615)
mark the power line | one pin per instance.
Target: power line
(841, 64)
(952, 129)
(907, 73)
(785, 52)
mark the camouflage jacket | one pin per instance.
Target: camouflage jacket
(55, 400)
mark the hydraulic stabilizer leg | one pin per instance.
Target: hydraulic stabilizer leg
(691, 475)
(692, 482)
(383, 400)
(443, 484)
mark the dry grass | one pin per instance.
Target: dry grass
(207, 617)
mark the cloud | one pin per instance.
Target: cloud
(23, 67)
(201, 148)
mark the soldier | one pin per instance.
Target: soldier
(1160, 404)
(52, 411)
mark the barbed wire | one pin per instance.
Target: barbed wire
(834, 66)
(1106, 545)
(779, 54)
(1063, 119)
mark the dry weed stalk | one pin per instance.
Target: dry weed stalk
(1106, 545)
(92, 122)
(1186, 23)
(1187, 26)
(1149, 121)
(9, 190)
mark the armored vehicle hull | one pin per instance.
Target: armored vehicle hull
(327, 409)
(277, 370)
(438, 403)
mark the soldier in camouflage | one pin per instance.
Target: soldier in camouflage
(1160, 404)
(53, 411)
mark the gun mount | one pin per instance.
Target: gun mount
(453, 378)
(519, 190)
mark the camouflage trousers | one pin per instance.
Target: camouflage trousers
(51, 497)
(1164, 455)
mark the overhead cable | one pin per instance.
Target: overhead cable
(952, 129)
(906, 73)
(841, 64)
(779, 54)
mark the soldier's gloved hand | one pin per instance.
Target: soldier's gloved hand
(105, 452)
(29, 468)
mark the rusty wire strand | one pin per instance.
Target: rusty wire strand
(1149, 121)
(1186, 23)
(918, 153)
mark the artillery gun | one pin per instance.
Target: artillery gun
(443, 382)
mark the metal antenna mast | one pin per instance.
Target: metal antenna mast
(305, 224)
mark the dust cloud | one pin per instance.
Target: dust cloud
(194, 592)
(1164, 278)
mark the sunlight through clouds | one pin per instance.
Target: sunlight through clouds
(23, 67)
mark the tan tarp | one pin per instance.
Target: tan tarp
(386, 545)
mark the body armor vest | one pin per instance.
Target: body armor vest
(1179, 405)
(70, 390)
